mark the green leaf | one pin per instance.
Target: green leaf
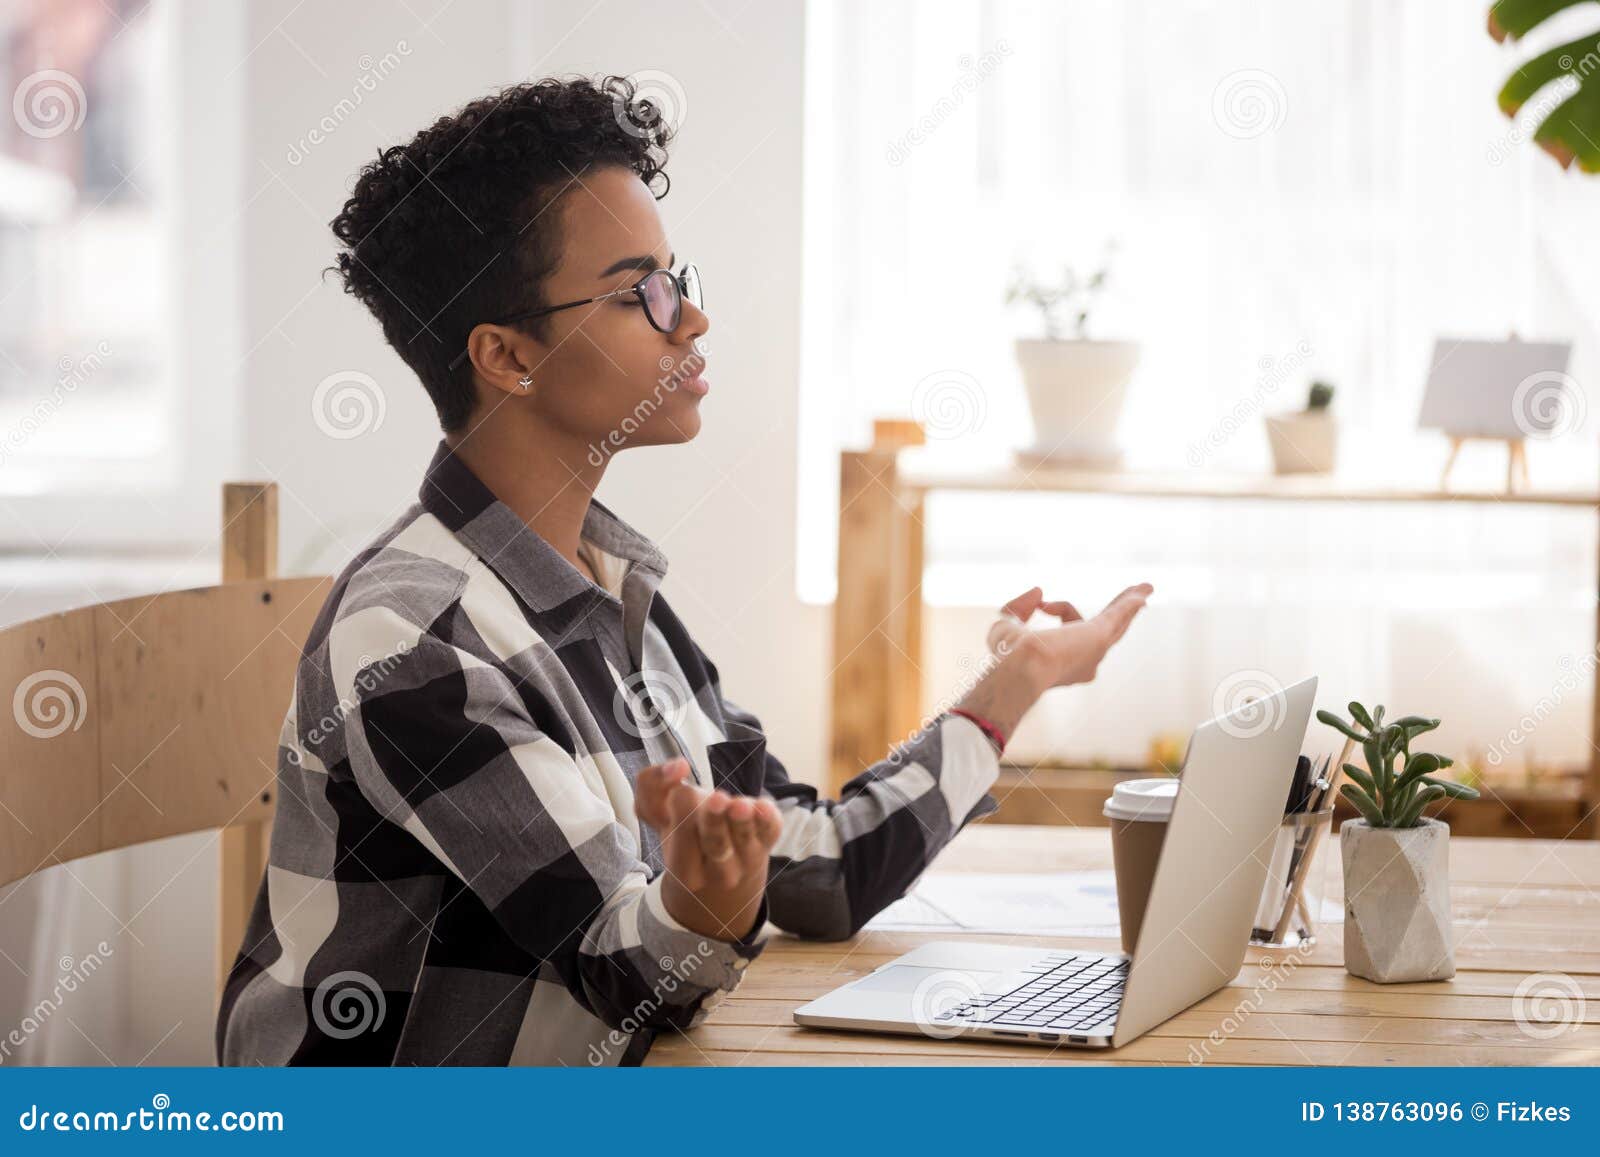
(1571, 129)
(1452, 788)
(1339, 725)
(1391, 748)
(1360, 777)
(1377, 716)
(1359, 714)
(1396, 804)
(1409, 721)
(1516, 18)
(1370, 747)
(1421, 764)
(1363, 803)
(1414, 810)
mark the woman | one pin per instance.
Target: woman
(517, 819)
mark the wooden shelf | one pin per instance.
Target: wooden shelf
(877, 616)
(921, 471)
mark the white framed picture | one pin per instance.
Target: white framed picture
(1508, 389)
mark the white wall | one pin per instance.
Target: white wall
(722, 508)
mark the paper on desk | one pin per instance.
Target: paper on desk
(1045, 904)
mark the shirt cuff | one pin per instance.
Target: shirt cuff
(969, 767)
(699, 960)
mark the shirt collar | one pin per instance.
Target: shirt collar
(527, 563)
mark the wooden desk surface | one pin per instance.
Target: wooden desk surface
(1521, 907)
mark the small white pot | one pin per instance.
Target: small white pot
(1397, 902)
(1303, 442)
(1075, 394)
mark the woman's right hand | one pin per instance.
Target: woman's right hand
(714, 847)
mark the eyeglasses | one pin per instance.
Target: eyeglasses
(661, 292)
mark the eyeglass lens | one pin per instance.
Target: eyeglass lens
(664, 293)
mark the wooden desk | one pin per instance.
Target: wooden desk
(1521, 907)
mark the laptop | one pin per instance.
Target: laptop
(1208, 882)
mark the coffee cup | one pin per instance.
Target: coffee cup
(1138, 810)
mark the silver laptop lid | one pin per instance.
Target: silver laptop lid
(1214, 857)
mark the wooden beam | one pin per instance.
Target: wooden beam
(877, 614)
(249, 551)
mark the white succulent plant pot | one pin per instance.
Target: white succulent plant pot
(1303, 442)
(1397, 902)
(1075, 393)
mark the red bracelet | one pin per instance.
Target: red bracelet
(993, 733)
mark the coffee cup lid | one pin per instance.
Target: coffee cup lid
(1142, 799)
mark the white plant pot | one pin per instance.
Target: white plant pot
(1304, 442)
(1075, 394)
(1397, 902)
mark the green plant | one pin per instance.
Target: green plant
(1072, 294)
(1570, 130)
(1319, 397)
(1386, 795)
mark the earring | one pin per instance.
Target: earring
(526, 382)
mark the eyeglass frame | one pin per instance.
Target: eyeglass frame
(637, 288)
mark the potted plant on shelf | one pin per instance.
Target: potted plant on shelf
(1396, 859)
(1305, 441)
(1075, 384)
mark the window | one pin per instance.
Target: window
(1293, 191)
(115, 326)
(86, 287)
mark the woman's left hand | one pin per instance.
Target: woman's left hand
(1014, 616)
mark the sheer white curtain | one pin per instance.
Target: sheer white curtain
(1295, 191)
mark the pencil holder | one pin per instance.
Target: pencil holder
(1292, 896)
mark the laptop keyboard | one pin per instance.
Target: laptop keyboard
(1066, 993)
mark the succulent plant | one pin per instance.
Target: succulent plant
(1388, 796)
(1319, 397)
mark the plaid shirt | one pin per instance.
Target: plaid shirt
(456, 872)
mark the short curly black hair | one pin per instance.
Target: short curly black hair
(451, 229)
